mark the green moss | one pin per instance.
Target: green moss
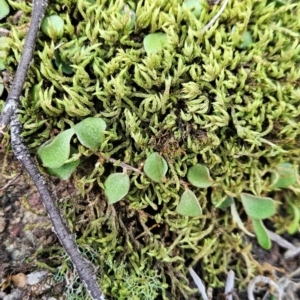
(203, 99)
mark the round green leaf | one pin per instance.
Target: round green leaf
(246, 40)
(261, 234)
(198, 175)
(154, 42)
(90, 132)
(4, 9)
(116, 186)
(54, 153)
(189, 205)
(53, 27)
(155, 167)
(194, 6)
(284, 176)
(64, 172)
(258, 207)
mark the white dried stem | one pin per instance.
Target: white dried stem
(265, 280)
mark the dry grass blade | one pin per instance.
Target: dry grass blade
(265, 280)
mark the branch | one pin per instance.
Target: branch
(9, 116)
(13, 98)
(122, 164)
(59, 228)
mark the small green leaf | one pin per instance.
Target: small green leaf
(246, 40)
(4, 9)
(54, 153)
(65, 66)
(64, 172)
(154, 42)
(155, 167)
(284, 176)
(90, 132)
(189, 205)
(194, 6)
(53, 27)
(116, 187)
(224, 203)
(198, 175)
(258, 207)
(261, 234)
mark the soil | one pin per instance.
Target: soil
(25, 232)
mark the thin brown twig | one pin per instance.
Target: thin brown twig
(9, 116)
(13, 98)
(128, 167)
(122, 164)
(10, 182)
(65, 237)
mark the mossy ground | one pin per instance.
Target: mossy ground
(205, 98)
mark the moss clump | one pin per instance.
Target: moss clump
(202, 99)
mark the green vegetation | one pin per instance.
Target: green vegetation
(185, 123)
(4, 10)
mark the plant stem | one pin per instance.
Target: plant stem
(59, 228)
(13, 98)
(9, 116)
